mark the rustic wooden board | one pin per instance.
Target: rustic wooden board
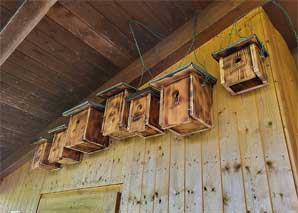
(80, 200)
(250, 130)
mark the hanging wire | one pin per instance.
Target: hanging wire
(156, 34)
(192, 46)
(284, 11)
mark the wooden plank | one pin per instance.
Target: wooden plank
(126, 171)
(21, 24)
(177, 169)
(118, 55)
(284, 195)
(82, 51)
(82, 200)
(90, 73)
(148, 184)
(118, 161)
(231, 163)
(285, 90)
(135, 186)
(100, 24)
(193, 174)
(162, 174)
(168, 14)
(141, 12)
(53, 63)
(120, 18)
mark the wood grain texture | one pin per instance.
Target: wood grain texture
(241, 164)
(59, 153)
(62, 64)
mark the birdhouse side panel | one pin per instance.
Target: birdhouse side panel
(125, 110)
(201, 100)
(154, 105)
(258, 63)
(93, 130)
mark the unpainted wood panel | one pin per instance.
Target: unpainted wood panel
(117, 54)
(120, 18)
(245, 167)
(81, 200)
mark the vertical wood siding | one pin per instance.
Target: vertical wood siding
(241, 165)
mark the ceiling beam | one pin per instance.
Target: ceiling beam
(21, 24)
(211, 21)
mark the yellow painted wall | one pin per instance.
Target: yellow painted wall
(242, 164)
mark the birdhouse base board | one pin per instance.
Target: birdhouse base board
(69, 156)
(189, 128)
(86, 147)
(246, 86)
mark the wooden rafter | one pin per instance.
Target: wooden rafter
(21, 24)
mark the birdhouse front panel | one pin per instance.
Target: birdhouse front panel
(144, 113)
(186, 99)
(175, 104)
(115, 116)
(242, 65)
(59, 153)
(83, 133)
(41, 155)
(138, 114)
(117, 110)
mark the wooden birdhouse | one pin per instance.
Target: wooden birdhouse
(41, 155)
(116, 111)
(242, 66)
(144, 113)
(83, 132)
(59, 153)
(185, 99)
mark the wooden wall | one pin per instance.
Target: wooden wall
(241, 165)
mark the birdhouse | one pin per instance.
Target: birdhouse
(144, 113)
(59, 153)
(185, 99)
(41, 155)
(83, 132)
(242, 67)
(116, 111)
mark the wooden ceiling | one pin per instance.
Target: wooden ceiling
(75, 48)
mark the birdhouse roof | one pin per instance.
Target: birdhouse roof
(40, 141)
(180, 72)
(244, 42)
(83, 106)
(116, 88)
(143, 92)
(58, 129)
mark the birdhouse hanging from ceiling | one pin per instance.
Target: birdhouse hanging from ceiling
(242, 67)
(59, 153)
(117, 110)
(144, 113)
(185, 99)
(83, 132)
